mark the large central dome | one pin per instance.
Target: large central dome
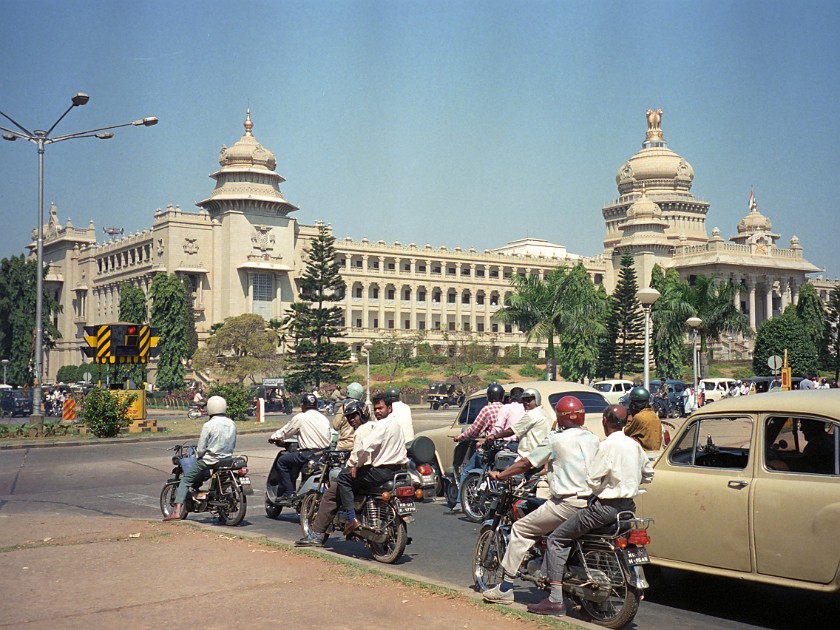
(656, 167)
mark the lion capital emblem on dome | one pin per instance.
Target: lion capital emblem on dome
(654, 123)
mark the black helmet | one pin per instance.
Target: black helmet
(639, 395)
(495, 393)
(308, 401)
(357, 408)
(392, 395)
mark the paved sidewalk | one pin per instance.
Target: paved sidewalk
(100, 572)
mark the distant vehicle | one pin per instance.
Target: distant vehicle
(445, 394)
(15, 402)
(715, 388)
(613, 389)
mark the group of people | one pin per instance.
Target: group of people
(812, 381)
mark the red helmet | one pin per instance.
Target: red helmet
(570, 411)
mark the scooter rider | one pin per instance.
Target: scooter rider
(381, 455)
(615, 475)
(312, 430)
(215, 444)
(644, 424)
(340, 423)
(357, 415)
(570, 451)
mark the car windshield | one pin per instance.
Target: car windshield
(603, 387)
(593, 402)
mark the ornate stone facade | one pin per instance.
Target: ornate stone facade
(243, 252)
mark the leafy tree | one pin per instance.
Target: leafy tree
(395, 352)
(171, 316)
(242, 348)
(68, 374)
(313, 323)
(237, 397)
(668, 342)
(580, 324)
(192, 333)
(133, 310)
(811, 312)
(831, 359)
(465, 355)
(623, 344)
(106, 412)
(786, 332)
(17, 326)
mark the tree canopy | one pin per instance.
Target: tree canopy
(171, 316)
(622, 347)
(786, 332)
(243, 347)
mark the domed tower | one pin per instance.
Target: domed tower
(755, 230)
(665, 178)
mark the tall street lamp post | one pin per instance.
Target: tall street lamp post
(5, 362)
(41, 139)
(694, 324)
(647, 297)
(366, 349)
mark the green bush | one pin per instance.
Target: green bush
(238, 400)
(105, 412)
(496, 376)
(531, 371)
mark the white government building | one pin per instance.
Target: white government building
(243, 252)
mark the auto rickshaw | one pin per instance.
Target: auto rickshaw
(445, 394)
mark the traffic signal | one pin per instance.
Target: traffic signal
(125, 340)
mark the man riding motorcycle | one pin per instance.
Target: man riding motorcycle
(340, 423)
(357, 415)
(215, 444)
(533, 427)
(570, 452)
(401, 412)
(644, 424)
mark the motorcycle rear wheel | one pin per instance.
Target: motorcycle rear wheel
(194, 414)
(234, 504)
(474, 500)
(271, 510)
(451, 493)
(487, 559)
(392, 549)
(167, 499)
(623, 601)
(308, 509)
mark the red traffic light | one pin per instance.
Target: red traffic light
(131, 330)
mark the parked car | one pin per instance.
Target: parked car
(750, 489)
(15, 402)
(551, 392)
(613, 389)
(715, 388)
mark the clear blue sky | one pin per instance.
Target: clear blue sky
(451, 123)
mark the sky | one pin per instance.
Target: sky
(450, 123)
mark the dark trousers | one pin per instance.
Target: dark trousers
(327, 509)
(367, 477)
(597, 514)
(288, 468)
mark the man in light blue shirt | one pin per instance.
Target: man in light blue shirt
(215, 444)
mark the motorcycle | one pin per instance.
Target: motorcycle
(311, 470)
(384, 512)
(196, 410)
(225, 496)
(477, 489)
(422, 467)
(604, 574)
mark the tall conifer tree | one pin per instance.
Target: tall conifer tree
(622, 349)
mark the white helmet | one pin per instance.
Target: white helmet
(216, 406)
(355, 390)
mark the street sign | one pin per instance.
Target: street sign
(774, 362)
(274, 382)
(87, 376)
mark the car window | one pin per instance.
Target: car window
(593, 402)
(802, 445)
(714, 443)
(603, 387)
(470, 410)
(628, 387)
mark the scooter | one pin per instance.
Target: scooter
(312, 469)
(422, 467)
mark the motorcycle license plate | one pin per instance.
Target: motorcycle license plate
(636, 556)
(245, 484)
(406, 507)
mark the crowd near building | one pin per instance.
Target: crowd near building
(243, 251)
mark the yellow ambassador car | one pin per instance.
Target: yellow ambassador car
(750, 488)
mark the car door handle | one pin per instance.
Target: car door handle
(737, 484)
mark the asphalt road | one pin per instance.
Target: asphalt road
(125, 480)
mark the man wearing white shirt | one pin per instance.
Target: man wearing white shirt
(533, 427)
(615, 476)
(380, 456)
(401, 412)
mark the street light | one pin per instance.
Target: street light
(41, 139)
(366, 351)
(5, 362)
(694, 324)
(647, 297)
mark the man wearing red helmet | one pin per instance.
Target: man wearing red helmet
(570, 450)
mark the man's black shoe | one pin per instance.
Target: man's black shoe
(547, 607)
(312, 540)
(351, 527)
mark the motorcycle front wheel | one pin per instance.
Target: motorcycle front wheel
(474, 499)
(451, 493)
(308, 509)
(622, 603)
(194, 414)
(391, 550)
(271, 510)
(487, 559)
(232, 501)
(167, 499)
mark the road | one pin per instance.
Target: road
(124, 479)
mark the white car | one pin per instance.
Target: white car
(715, 388)
(613, 389)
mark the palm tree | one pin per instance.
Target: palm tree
(533, 306)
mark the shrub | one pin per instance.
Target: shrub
(105, 412)
(496, 376)
(238, 400)
(531, 371)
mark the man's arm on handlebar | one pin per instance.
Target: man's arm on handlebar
(519, 467)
